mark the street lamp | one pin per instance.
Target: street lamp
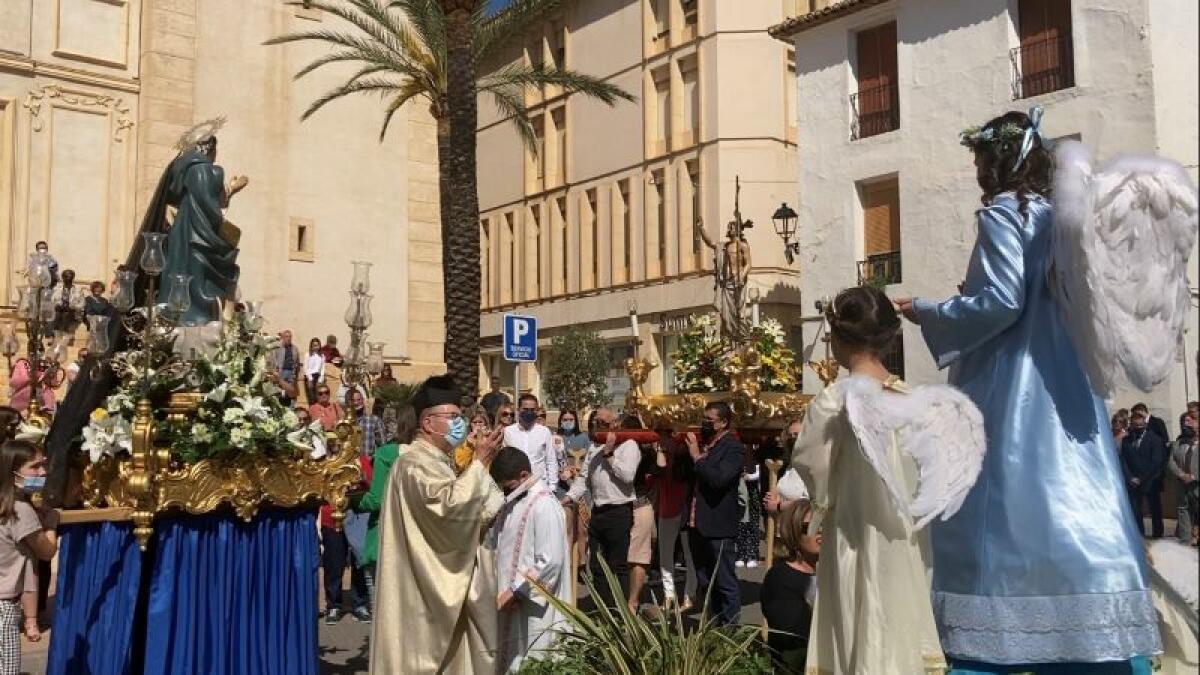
(784, 219)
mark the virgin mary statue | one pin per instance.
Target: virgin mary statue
(199, 242)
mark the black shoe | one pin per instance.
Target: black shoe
(361, 614)
(333, 615)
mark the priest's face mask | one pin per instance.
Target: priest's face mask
(438, 423)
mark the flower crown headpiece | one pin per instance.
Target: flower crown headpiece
(1007, 133)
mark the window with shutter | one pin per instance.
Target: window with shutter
(876, 104)
(881, 232)
(1045, 60)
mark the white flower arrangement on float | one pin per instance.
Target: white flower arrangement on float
(239, 413)
(702, 353)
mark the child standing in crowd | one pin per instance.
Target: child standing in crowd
(789, 589)
(314, 370)
(26, 534)
(750, 526)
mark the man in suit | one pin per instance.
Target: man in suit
(713, 511)
(1143, 457)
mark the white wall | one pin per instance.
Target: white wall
(954, 72)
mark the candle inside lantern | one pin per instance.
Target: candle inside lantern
(633, 324)
(754, 314)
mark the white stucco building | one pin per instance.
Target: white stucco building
(885, 87)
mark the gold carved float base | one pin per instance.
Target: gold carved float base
(147, 482)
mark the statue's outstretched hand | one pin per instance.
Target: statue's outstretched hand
(237, 183)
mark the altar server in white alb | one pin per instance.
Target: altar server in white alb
(530, 540)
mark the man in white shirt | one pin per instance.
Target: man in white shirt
(607, 475)
(530, 541)
(535, 440)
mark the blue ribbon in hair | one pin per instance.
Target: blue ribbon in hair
(1034, 129)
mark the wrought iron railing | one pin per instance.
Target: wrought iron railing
(1042, 67)
(880, 268)
(876, 111)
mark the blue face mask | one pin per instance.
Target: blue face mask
(33, 483)
(567, 427)
(456, 433)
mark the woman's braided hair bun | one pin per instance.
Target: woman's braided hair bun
(863, 316)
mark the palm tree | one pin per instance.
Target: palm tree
(428, 49)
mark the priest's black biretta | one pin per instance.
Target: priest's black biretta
(435, 391)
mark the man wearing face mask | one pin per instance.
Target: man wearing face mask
(713, 512)
(530, 541)
(606, 476)
(435, 580)
(1143, 456)
(534, 439)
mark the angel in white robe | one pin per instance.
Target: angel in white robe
(880, 460)
(530, 541)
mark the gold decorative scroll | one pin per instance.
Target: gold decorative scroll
(752, 407)
(150, 484)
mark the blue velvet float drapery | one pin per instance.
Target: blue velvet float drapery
(99, 571)
(234, 598)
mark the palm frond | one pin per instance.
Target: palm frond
(570, 81)
(404, 94)
(369, 16)
(494, 34)
(363, 86)
(429, 23)
(510, 101)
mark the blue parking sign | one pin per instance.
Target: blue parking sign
(520, 338)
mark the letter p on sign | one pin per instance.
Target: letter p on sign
(520, 338)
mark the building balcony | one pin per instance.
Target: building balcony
(880, 269)
(876, 111)
(1042, 67)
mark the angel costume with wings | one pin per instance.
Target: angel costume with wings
(1043, 562)
(866, 448)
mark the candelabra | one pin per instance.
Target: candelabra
(153, 325)
(36, 307)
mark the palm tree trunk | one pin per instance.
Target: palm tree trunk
(460, 201)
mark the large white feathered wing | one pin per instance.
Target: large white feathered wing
(939, 427)
(1121, 240)
(946, 439)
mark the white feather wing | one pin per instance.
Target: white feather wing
(941, 429)
(947, 441)
(1122, 236)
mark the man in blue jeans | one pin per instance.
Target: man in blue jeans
(713, 512)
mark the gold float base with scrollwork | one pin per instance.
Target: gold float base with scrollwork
(150, 484)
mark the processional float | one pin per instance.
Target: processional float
(187, 490)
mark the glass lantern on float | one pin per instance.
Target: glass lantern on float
(26, 301)
(9, 344)
(123, 296)
(153, 258)
(375, 358)
(38, 271)
(360, 282)
(46, 308)
(98, 342)
(179, 295)
(358, 314)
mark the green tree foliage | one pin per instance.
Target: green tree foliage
(574, 373)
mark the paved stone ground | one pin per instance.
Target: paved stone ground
(345, 649)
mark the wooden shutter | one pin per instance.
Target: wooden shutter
(876, 71)
(881, 218)
(1046, 56)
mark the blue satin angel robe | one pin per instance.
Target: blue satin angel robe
(1043, 562)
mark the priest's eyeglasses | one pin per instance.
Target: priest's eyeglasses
(448, 415)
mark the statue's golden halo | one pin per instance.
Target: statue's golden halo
(201, 131)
